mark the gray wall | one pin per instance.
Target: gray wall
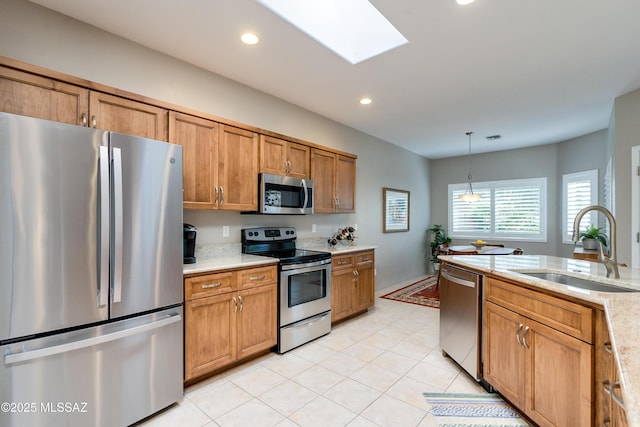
(625, 125)
(552, 161)
(38, 36)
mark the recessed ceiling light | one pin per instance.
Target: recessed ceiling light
(366, 101)
(464, 2)
(249, 38)
(354, 29)
(493, 137)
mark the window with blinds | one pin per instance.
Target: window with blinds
(507, 210)
(579, 190)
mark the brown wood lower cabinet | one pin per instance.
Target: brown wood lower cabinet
(610, 411)
(229, 316)
(546, 373)
(352, 284)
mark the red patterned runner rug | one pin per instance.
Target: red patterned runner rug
(423, 292)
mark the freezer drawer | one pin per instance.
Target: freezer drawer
(110, 375)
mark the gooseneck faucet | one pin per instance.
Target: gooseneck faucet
(611, 261)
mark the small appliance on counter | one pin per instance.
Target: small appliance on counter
(189, 244)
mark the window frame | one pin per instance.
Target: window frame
(491, 186)
(592, 177)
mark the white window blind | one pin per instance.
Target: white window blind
(579, 190)
(507, 210)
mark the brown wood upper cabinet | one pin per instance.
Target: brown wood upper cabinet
(334, 180)
(35, 96)
(123, 115)
(281, 157)
(220, 163)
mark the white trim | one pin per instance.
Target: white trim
(592, 177)
(487, 189)
(635, 206)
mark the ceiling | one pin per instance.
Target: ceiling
(535, 72)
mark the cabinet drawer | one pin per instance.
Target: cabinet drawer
(253, 277)
(208, 285)
(565, 316)
(342, 261)
(364, 259)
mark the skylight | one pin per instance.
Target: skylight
(353, 29)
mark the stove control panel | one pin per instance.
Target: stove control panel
(268, 234)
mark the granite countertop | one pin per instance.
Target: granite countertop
(622, 310)
(238, 260)
(216, 263)
(343, 249)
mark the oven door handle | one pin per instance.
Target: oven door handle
(306, 265)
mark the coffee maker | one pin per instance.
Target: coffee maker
(189, 243)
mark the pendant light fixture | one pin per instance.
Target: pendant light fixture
(469, 195)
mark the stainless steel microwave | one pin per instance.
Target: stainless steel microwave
(284, 195)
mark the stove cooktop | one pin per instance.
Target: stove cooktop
(278, 242)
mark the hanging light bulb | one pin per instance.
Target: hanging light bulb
(469, 195)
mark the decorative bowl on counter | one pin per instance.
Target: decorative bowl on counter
(478, 244)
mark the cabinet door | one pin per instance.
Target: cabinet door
(345, 184)
(123, 115)
(342, 284)
(199, 140)
(238, 169)
(299, 160)
(43, 98)
(364, 289)
(323, 176)
(257, 319)
(558, 377)
(273, 155)
(210, 334)
(504, 357)
(365, 283)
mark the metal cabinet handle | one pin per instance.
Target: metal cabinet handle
(355, 275)
(606, 422)
(342, 262)
(221, 195)
(524, 337)
(94, 122)
(607, 347)
(365, 259)
(520, 326)
(616, 398)
(260, 277)
(241, 302)
(213, 285)
(84, 119)
(235, 305)
(216, 197)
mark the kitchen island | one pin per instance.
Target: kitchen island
(622, 310)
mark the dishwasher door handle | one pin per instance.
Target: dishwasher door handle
(458, 280)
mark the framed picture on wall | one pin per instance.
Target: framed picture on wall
(395, 214)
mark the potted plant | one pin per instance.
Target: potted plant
(593, 236)
(440, 237)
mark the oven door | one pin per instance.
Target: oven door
(305, 290)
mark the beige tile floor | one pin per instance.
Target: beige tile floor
(369, 371)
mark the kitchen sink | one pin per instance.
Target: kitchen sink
(577, 282)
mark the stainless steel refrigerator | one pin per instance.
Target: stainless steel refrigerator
(90, 275)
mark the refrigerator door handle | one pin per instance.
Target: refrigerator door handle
(89, 342)
(117, 225)
(103, 268)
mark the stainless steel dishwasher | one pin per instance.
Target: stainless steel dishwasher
(461, 318)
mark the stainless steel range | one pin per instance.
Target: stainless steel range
(304, 284)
